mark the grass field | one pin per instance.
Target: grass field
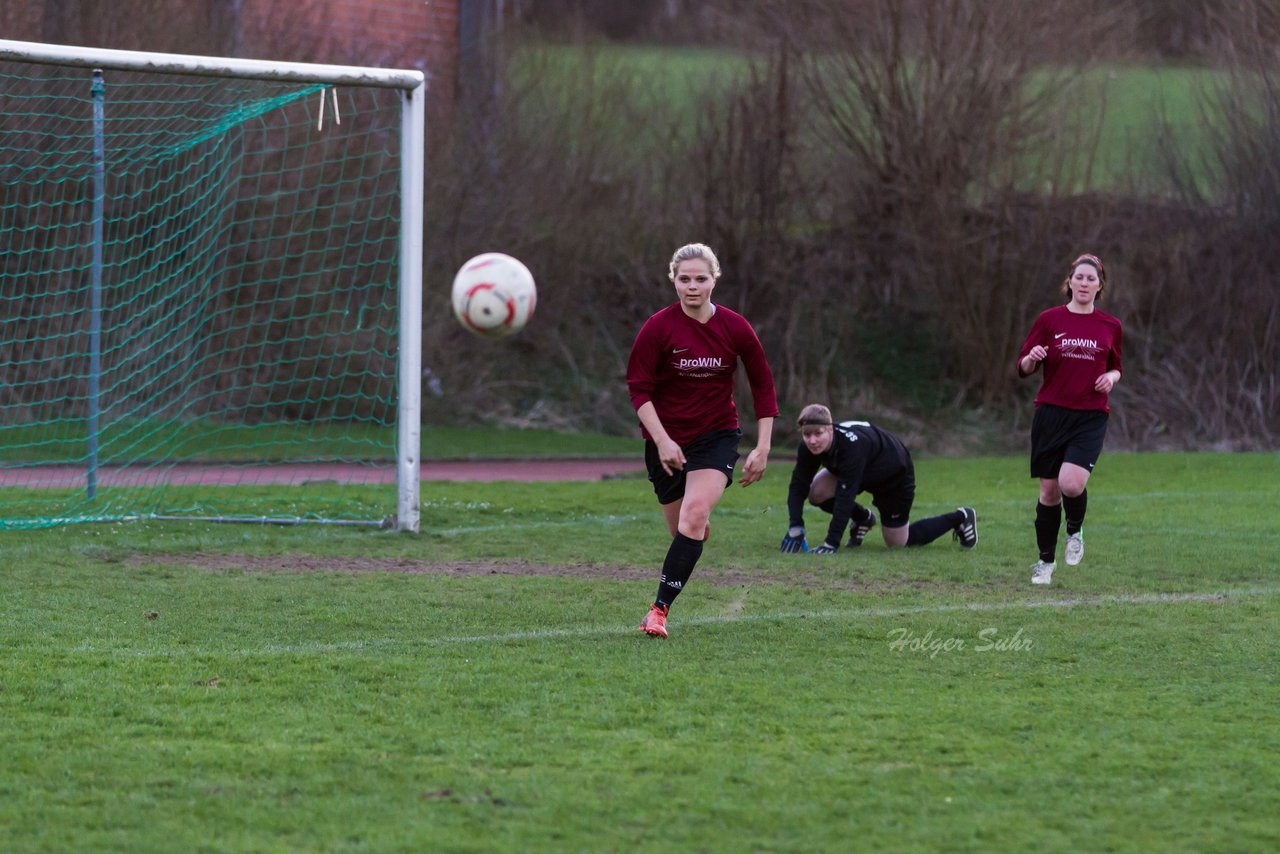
(1146, 114)
(483, 687)
(32, 497)
(195, 441)
(1122, 108)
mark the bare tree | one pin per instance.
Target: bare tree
(936, 113)
(1208, 328)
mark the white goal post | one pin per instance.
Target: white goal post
(403, 355)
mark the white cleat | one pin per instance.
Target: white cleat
(1075, 548)
(1042, 573)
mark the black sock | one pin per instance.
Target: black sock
(1074, 509)
(681, 558)
(1048, 521)
(927, 530)
(859, 515)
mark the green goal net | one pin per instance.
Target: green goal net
(201, 303)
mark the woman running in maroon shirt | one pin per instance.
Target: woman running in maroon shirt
(680, 376)
(1079, 347)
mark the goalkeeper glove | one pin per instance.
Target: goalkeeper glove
(794, 541)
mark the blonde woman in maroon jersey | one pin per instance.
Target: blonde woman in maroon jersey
(1078, 346)
(680, 375)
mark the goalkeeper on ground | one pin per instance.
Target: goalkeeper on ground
(835, 462)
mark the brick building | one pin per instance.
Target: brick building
(422, 34)
(430, 35)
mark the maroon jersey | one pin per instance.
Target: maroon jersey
(686, 369)
(1082, 347)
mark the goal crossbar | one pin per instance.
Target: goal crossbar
(209, 66)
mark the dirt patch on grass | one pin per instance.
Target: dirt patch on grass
(835, 580)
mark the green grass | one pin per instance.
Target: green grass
(451, 443)
(1133, 104)
(1123, 105)
(240, 451)
(1133, 707)
(137, 442)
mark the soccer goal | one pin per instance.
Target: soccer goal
(210, 289)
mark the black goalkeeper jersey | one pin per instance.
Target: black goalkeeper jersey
(862, 456)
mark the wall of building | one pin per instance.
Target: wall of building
(387, 33)
(420, 34)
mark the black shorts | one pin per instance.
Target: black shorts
(718, 450)
(894, 498)
(1061, 435)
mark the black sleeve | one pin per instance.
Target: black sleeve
(851, 461)
(807, 466)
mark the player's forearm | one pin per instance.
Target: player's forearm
(841, 513)
(764, 434)
(648, 416)
(795, 504)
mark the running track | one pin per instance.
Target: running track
(68, 477)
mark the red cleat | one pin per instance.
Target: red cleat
(654, 623)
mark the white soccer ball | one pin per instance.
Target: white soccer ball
(494, 295)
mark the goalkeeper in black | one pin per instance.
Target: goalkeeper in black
(835, 462)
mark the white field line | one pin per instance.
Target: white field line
(722, 619)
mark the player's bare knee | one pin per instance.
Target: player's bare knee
(895, 538)
(694, 521)
(1071, 487)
